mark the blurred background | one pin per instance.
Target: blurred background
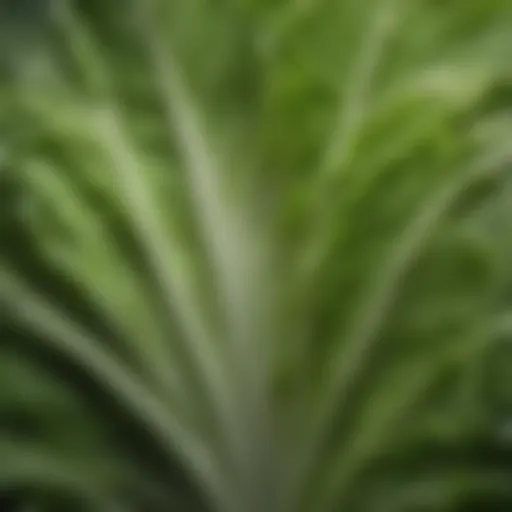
(256, 256)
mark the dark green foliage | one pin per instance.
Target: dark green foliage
(255, 256)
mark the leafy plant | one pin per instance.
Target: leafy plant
(256, 257)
